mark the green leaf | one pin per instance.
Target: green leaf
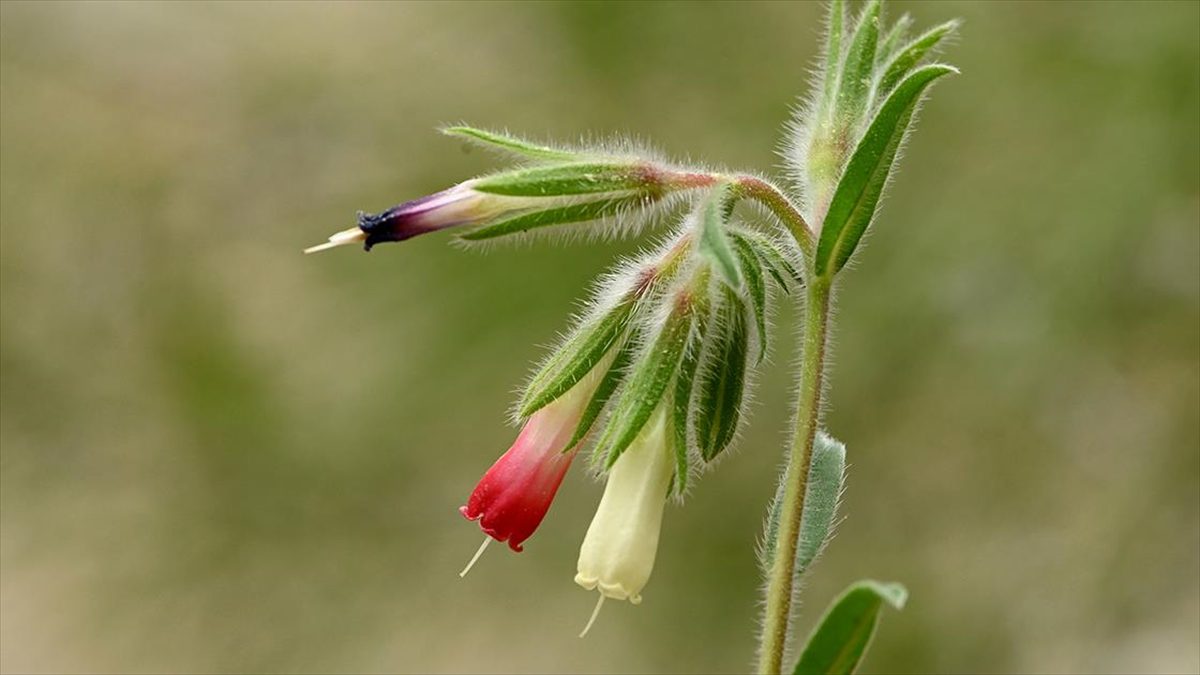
(566, 179)
(757, 288)
(892, 40)
(645, 386)
(507, 143)
(835, 29)
(722, 379)
(826, 475)
(908, 56)
(855, 81)
(571, 362)
(853, 204)
(837, 645)
(714, 242)
(575, 213)
(604, 391)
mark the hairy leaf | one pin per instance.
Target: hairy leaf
(853, 204)
(855, 82)
(835, 30)
(837, 645)
(911, 54)
(825, 478)
(893, 39)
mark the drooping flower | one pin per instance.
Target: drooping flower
(618, 551)
(512, 498)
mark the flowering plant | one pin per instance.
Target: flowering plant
(654, 375)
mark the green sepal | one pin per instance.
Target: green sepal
(756, 288)
(714, 241)
(568, 179)
(908, 56)
(681, 397)
(604, 391)
(508, 143)
(574, 213)
(722, 378)
(577, 356)
(839, 641)
(774, 260)
(855, 82)
(853, 204)
(645, 385)
(826, 476)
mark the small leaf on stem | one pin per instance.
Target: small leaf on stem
(838, 643)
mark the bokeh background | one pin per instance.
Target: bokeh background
(220, 455)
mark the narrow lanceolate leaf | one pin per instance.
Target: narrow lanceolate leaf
(585, 348)
(568, 179)
(722, 379)
(826, 475)
(853, 204)
(508, 143)
(575, 213)
(893, 39)
(855, 82)
(681, 399)
(833, 54)
(910, 55)
(645, 385)
(837, 645)
(714, 241)
(604, 391)
(756, 288)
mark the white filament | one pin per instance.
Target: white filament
(595, 613)
(482, 548)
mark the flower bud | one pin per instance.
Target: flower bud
(618, 551)
(459, 205)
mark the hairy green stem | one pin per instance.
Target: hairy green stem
(777, 202)
(778, 609)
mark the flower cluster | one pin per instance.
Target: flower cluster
(653, 375)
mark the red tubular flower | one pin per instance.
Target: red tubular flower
(512, 498)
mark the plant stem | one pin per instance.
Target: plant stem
(774, 199)
(778, 609)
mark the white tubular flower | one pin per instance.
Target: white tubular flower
(618, 551)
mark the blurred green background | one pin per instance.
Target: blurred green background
(220, 455)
